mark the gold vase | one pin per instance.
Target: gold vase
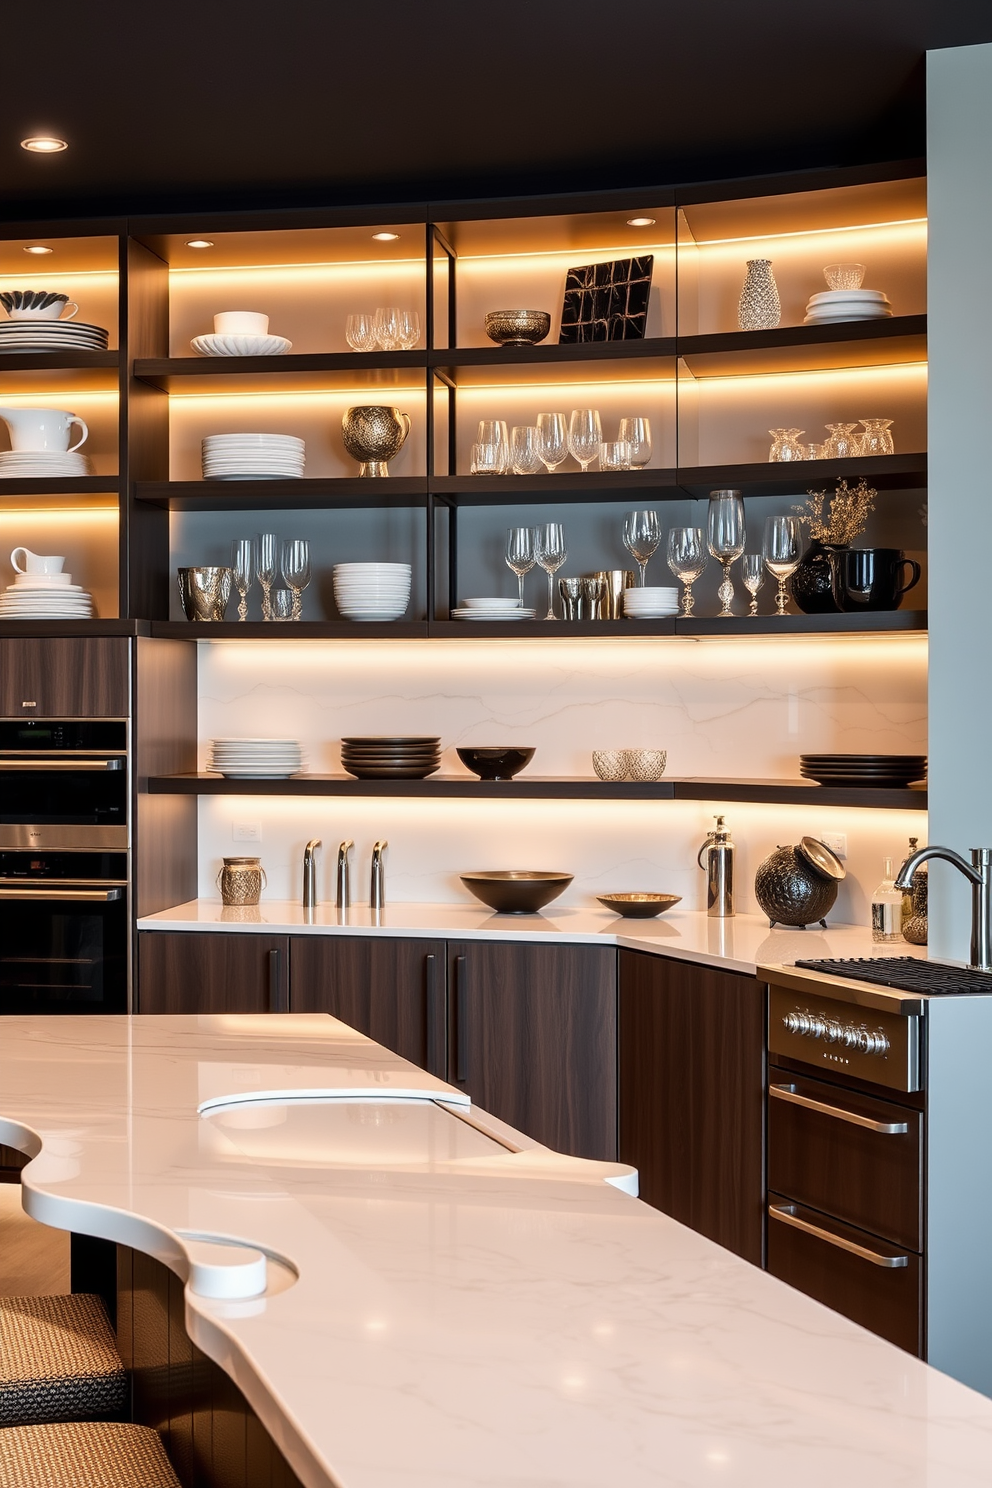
(373, 436)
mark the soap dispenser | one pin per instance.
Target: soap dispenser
(719, 869)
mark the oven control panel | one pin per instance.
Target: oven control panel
(861, 1041)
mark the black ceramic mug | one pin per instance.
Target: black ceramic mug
(871, 578)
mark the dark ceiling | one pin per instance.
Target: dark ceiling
(216, 104)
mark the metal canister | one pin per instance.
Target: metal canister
(241, 880)
(719, 869)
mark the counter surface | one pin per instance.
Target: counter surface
(464, 1316)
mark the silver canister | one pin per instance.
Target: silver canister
(718, 850)
(241, 881)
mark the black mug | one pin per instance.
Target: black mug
(871, 578)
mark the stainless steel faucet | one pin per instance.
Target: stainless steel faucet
(377, 888)
(310, 873)
(979, 873)
(342, 898)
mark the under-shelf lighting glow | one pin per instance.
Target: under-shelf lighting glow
(199, 243)
(44, 144)
(385, 237)
(38, 248)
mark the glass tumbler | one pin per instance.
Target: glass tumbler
(525, 450)
(387, 327)
(615, 455)
(637, 433)
(360, 333)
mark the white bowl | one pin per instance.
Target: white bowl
(490, 604)
(241, 345)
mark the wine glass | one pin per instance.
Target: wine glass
(266, 567)
(520, 556)
(243, 563)
(360, 333)
(641, 536)
(637, 433)
(550, 552)
(753, 574)
(387, 327)
(408, 329)
(552, 435)
(783, 549)
(726, 535)
(525, 452)
(296, 571)
(687, 559)
(585, 435)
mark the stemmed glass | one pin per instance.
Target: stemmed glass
(360, 332)
(687, 559)
(725, 538)
(296, 571)
(243, 563)
(637, 433)
(585, 435)
(520, 556)
(266, 567)
(408, 329)
(753, 574)
(641, 536)
(783, 549)
(550, 552)
(552, 438)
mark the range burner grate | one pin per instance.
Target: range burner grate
(906, 973)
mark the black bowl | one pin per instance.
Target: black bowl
(516, 891)
(496, 763)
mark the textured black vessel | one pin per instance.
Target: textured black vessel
(798, 885)
(812, 583)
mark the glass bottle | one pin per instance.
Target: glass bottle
(886, 909)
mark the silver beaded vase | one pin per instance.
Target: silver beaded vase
(759, 307)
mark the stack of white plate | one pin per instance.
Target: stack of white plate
(650, 603)
(46, 464)
(256, 759)
(253, 457)
(372, 591)
(218, 346)
(847, 304)
(34, 596)
(51, 335)
(491, 609)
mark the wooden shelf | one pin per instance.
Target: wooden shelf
(858, 343)
(83, 485)
(48, 628)
(57, 371)
(300, 495)
(395, 371)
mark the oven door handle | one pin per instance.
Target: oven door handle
(791, 1094)
(39, 766)
(786, 1214)
(64, 896)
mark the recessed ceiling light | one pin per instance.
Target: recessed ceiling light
(385, 237)
(640, 222)
(38, 248)
(44, 144)
(199, 243)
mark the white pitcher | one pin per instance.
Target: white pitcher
(42, 429)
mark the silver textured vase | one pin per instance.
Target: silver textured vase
(205, 591)
(759, 307)
(374, 435)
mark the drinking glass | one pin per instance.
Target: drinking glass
(844, 275)
(687, 559)
(525, 450)
(550, 552)
(296, 571)
(488, 459)
(360, 332)
(495, 433)
(753, 574)
(243, 563)
(283, 602)
(637, 433)
(614, 455)
(552, 432)
(641, 536)
(726, 535)
(266, 567)
(408, 329)
(876, 440)
(787, 445)
(585, 435)
(840, 445)
(783, 549)
(387, 327)
(520, 555)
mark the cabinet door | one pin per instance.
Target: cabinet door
(390, 990)
(209, 972)
(532, 1038)
(64, 677)
(692, 1061)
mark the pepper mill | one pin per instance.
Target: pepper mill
(719, 869)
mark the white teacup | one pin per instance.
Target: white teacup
(42, 429)
(35, 563)
(46, 312)
(241, 323)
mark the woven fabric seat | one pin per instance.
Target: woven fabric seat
(59, 1361)
(84, 1454)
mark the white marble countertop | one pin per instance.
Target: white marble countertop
(463, 1316)
(737, 944)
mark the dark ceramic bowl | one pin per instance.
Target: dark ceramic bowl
(639, 906)
(496, 763)
(516, 891)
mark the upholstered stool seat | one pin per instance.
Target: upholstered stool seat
(84, 1454)
(59, 1361)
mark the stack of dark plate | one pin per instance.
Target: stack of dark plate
(391, 758)
(872, 771)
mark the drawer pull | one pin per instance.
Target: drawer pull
(791, 1094)
(786, 1214)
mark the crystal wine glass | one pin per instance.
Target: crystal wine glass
(525, 451)
(552, 433)
(360, 332)
(550, 552)
(687, 559)
(266, 567)
(387, 327)
(637, 433)
(641, 536)
(726, 535)
(753, 574)
(296, 571)
(408, 329)
(585, 435)
(243, 563)
(520, 555)
(783, 549)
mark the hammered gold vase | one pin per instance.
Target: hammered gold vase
(373, 436)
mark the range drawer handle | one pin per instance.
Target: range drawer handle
(42, 766)
(786, 1214)
(791, 1094)
(64, 896)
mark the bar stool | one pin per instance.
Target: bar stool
(59, 1361)
(84, 1454)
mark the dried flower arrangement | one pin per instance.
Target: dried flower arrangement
(845, 517)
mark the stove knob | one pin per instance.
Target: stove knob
(791, 1021)
(817, 1026)
(852, 1037)
(873, 1043)
(833, 1032)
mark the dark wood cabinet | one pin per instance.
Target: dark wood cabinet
(210, 972)
(392, 990)
(532, 1036)
(692, 1072)
(64, 677)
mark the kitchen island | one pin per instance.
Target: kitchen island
(448, 1303)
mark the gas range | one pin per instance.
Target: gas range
(932, 978)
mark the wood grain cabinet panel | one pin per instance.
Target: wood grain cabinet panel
(64, 677)
(692, 1042)
(207, 972)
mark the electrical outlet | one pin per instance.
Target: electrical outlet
(836, 841)
(246, 831)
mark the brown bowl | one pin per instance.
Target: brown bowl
(639, 906)
(515, 891)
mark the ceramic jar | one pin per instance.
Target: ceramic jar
(798, 885)
(241, 881)
(812, 582)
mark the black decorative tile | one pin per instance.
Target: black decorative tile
(606, 301)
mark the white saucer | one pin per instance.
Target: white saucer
(218, 346)
(476, 614)
(60, 581)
